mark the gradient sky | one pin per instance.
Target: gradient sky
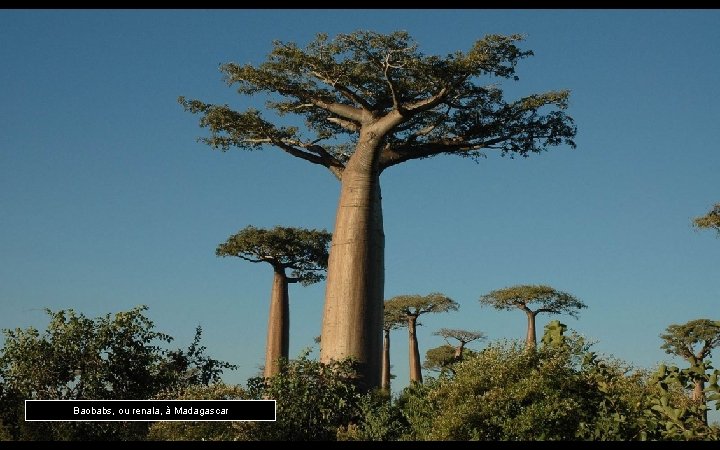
(107, 201)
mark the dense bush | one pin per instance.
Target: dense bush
(313, 401)
(198, 431)
(110, 357)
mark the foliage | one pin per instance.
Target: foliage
(304, 251)
(313, 401)
(554, 335)
(110, 357)
(393, 318)
(198, 431)
(683, 340)
(442, 359)
(192, 368)
(380, 419)
(342, 85)
(549, 299)
(671, 419)
(507, 393)
(711, 220)
(416, 305)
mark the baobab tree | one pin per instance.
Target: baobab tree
(550, 301)
(392, 319)
(693, 341)
(711, 220)
(371, 101)
(303, 251)
(463, 337)
(410, 307)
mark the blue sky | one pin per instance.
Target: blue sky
(107, 201)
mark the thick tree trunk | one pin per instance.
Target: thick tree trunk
(385, 380)
(531, 340)
(415, 370)
(278, 334)
(699, 396)
(353, 315)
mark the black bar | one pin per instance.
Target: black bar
(149, 410)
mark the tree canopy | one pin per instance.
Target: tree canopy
(417, 305)
(436, 105)
(463, 336)
(711, 220)
(549, 299)
(304, 251)
(693, 341)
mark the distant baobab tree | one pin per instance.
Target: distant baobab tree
(463, 337)
(392, 319)
(303, 251)
(548, 299)
(410, 307)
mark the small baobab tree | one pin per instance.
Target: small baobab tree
(463, 337)
(548, 299)
(693, 341)
(303, 251)
(410, 307)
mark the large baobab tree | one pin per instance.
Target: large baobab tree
(371, 101)
(410, 307)
(392, 319)
(548, 299)
(305, 252)
(711, 220)
(693, 341)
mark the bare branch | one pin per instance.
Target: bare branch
(322, 157)
(391, 85)
(342, 89)
(428, 103)
(344, 111)
(399, 154)
(348, 125)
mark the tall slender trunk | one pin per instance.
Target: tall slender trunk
(415, 372)
(531, 340)
(385, 380)
(353, 314)
(278, 334)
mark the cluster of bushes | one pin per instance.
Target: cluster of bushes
(559, 391)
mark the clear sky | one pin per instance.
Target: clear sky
(107, 201)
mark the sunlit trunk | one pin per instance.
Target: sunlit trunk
(278, 334)
(415, 369)
(385, 381)
(353, 313)
(530, 341)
